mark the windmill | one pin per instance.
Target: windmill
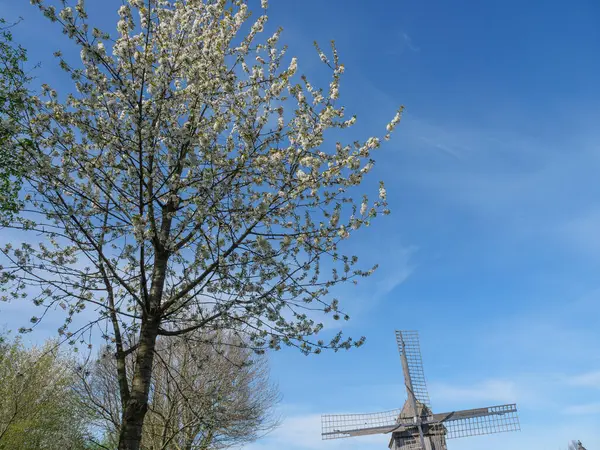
(415, 426)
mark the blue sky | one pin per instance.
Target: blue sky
(492, 250)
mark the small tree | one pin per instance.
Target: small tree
(207, 393)
(38, 406)
(187, 185)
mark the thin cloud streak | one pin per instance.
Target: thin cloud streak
(589, 379)
(585, 409)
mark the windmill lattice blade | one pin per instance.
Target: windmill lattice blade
(474, 422)
(412, 350)
(476, 412)
(345, 425)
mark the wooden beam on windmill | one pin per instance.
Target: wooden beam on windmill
(415, 426)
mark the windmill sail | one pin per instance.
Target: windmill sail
(345, 425)
(412, 366)
(457, 424)
(408, 343)
(475, 422)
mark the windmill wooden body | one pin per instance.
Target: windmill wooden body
(415, 426)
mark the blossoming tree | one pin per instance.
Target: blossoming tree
(186, 184)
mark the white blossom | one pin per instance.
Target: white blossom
(350, 122)
(293, 65)
(393, 123)
(80, 7)
(301, 175)
(343, 232)
(367, 168)
(363, 208)
(373, 143)
(67, 13)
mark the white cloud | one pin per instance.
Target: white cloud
(525, 185)
(401, 42)
(395, 266)
(395, 271)
(445, 148)
(585, 409)
(582, 231)
(304, 432)
(548, 436)
(492, 390)
(589, 379)
(559, 336)
(408, 43)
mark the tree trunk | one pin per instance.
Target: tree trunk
(137, 405)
